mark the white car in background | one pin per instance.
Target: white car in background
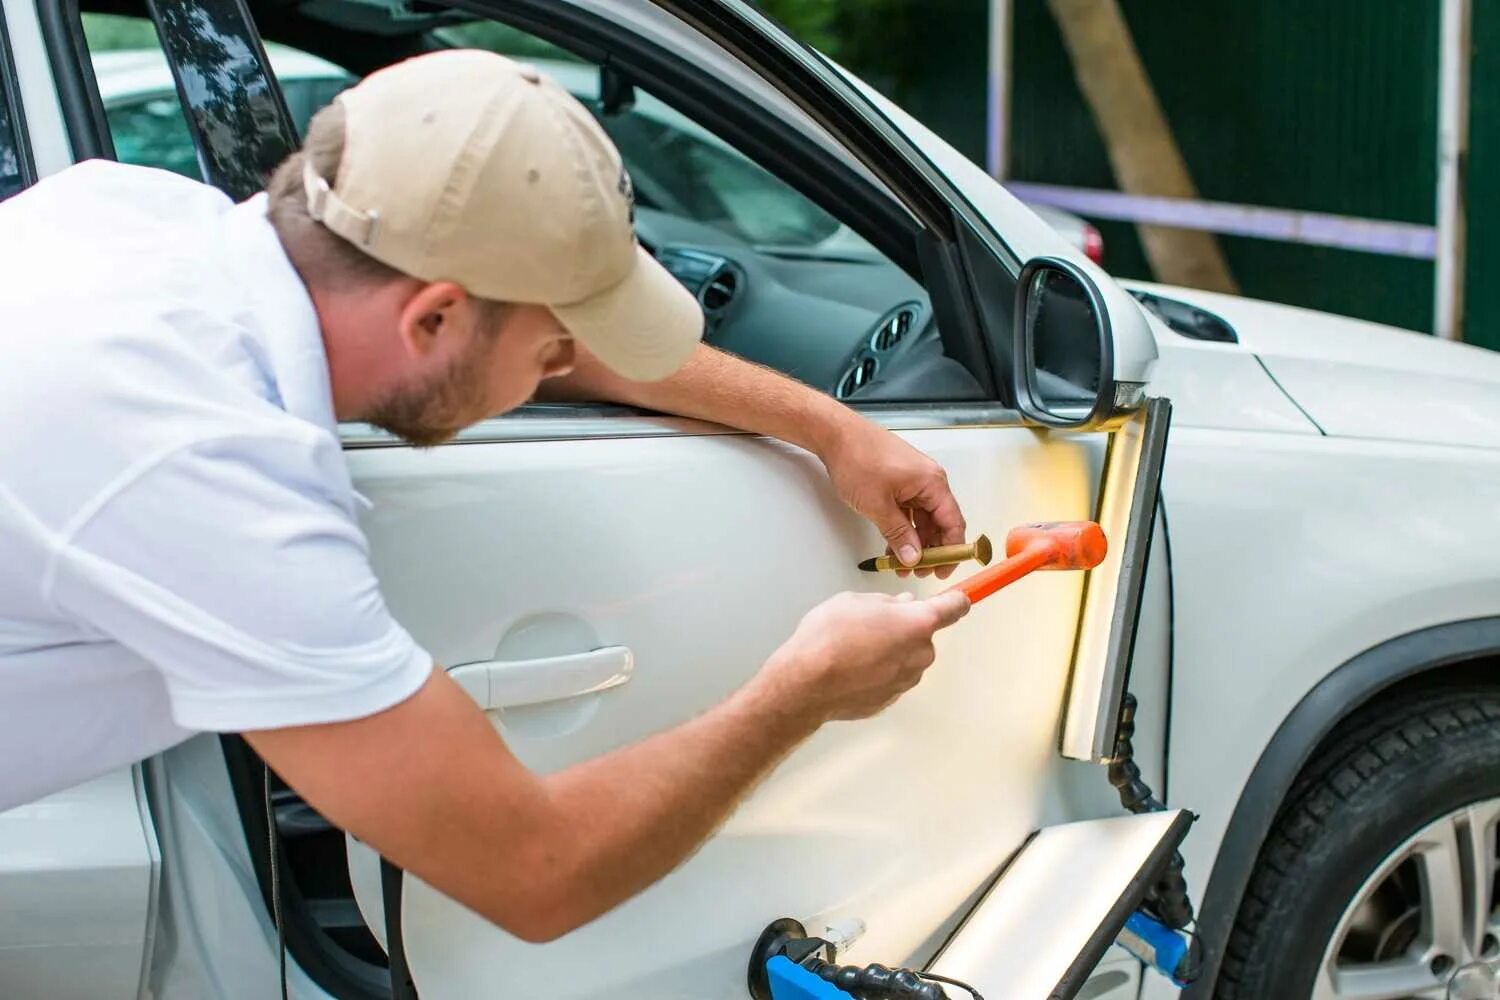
(1303, 592)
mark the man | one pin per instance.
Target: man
(182, 552)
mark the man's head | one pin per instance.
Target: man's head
(460, 221)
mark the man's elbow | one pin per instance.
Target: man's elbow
(541, 913)
(537, 930)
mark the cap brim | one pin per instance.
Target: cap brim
(645, 327)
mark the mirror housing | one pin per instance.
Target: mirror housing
(1064, 372)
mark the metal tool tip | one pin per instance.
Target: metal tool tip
(868, 565)
(983, 550)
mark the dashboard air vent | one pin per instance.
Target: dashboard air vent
(858, 376)
(719, 290)
(895, 327)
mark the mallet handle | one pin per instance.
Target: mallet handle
(1003, 574)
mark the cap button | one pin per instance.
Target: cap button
(529, 73)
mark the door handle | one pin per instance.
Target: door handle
(513, 683)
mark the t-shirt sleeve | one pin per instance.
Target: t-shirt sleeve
(236, 568)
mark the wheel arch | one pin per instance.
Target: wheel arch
(1415, 659)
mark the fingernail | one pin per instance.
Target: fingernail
(908, 554)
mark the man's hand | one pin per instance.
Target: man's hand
(854, 654)
(902, 491)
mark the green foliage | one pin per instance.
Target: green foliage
(103, 32)
(870, 37)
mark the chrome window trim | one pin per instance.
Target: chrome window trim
(572, 422)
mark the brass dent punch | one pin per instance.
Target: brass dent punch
(979, 550)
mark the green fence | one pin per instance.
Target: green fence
(1307, 105)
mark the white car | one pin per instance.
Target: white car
(1303, 591)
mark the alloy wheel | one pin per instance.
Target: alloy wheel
(1424, 919)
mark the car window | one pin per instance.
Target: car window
(145, 115)
(152, 131)
(11, 178)
(716, 184)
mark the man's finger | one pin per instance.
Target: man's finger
(931, 535)
(950, 606)
(895, 524)
(939, 516)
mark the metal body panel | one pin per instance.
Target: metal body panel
(214, 936)
(1363, 380)
(1387, 539)
(700, 554)
(1222, 386)
(77, 870)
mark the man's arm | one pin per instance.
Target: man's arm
(901, 490)
(431, 786)
(719, 387)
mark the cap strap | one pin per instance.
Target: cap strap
(325, 206)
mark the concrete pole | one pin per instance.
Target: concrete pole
(997, 132)
(1453, 149)
(1140, 143)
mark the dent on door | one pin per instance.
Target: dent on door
(698, 557)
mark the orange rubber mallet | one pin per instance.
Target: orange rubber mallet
(1030, 547)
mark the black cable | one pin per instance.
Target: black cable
(1166, 747)
(1168, 899)
(946, 981)
(274, 847)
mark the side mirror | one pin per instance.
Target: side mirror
(1064, 371)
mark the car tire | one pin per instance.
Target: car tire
(1384, 776)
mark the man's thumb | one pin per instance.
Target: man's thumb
(901, 536)
(950, 605)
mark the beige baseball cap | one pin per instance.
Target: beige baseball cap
(469, 167)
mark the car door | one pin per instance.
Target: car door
(593, 575)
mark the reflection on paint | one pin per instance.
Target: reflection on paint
(242, 127)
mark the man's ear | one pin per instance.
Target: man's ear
(435, 318)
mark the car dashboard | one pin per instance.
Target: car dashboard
(845, 321)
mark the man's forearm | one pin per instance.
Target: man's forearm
(722, 388)
(536, 855)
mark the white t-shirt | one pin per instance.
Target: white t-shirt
(179, 550)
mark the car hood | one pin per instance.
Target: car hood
(1363, 380)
